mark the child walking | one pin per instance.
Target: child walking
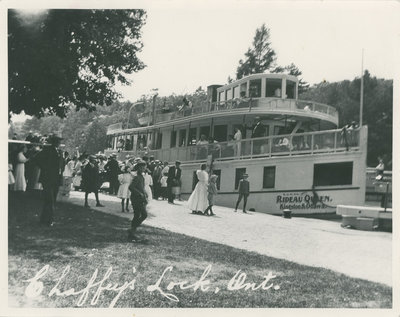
(164, 185)
(244, 191)
(125, 180)
(212, 191)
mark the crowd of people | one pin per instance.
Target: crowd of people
(40, 164)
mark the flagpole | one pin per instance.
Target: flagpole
(362, 89)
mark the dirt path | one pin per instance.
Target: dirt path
(362, 254)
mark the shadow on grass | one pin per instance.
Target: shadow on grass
(75, 227)
(88, 240)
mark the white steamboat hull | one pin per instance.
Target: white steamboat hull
(293, 187)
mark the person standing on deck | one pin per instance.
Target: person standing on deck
(244, 192)
(238, 144)
(257, 131)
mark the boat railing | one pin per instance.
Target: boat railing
(308, 143)
(240, 105)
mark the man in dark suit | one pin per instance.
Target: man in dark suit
(174, 178)
(112, 169)
(91, 180)
(139, 201)
(49, 161)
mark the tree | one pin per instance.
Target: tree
(292, 69)
(378, 110)
(51, 124)
(70, 57)
(260, 57)
(96, 137)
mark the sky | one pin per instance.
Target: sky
(188, 46)
(200, 45)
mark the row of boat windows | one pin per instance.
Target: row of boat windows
(325, 174)
(253, 88)
(183, 137)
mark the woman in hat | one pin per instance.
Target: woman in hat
(198, 200)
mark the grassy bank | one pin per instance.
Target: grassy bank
(87, 242)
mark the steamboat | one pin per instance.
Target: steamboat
(300, 161)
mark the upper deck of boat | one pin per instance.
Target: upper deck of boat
(271, 95)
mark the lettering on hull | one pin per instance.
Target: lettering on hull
(298, 201)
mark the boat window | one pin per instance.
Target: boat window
(109, 141)
(255, 88)
(221, 133)
(290, 89)
(182, 137)
(228, 94)
(330, 174)
(129, 143)
(205, 130)
(158, 142)
(218, 173)
(279, 130)
(243, 90)
(192, 140)
(222, 96)
(141, 142)
(236, 93)
(239, 175)
(269, 177)
(273, 87)
(173, 138)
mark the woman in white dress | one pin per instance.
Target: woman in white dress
(67, 177)
(19, 173)
(77, 179)
(198, 200)
(11, 179)
(148, 181)
(124, 193)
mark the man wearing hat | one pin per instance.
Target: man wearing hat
(49, 161)
(244, 192)
(151, 164)
(174, 180)
(112, 169)
(91, 180)
(156, 175)
(138, 199)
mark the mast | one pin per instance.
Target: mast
(362, 89)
